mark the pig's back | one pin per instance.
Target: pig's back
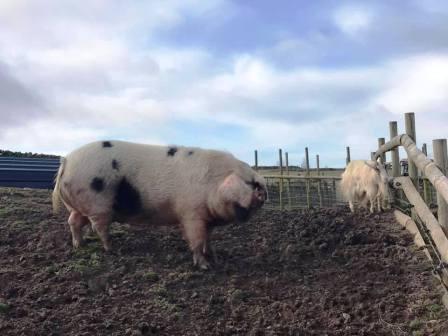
(159, 174)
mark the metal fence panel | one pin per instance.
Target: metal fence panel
(290, 192)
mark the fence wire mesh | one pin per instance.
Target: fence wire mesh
(427, 191)
(295, 192)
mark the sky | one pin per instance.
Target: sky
(228, 75)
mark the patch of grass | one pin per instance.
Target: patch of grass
(151, 276)
(86, 261)
(53, 269)
(164, 305)
(415, 324)
(434, 310)
(18, 224)
(11, 211)
(4, 308)
(239, 295)
(118, 232)
(92, 237)
(160, 290)
(182, 276)
(164, 300)
(86, 250)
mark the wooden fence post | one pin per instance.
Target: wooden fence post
(288, 182)
(280, 161)
(347, 158)
(382, 141)
(280, 184)
(319, 191)
(334, 190)
(425, 214)
(256, 160)
(394, 153)
(409, 119)
(307, 160)
(426, 187)
(441, 159)
(317, 165)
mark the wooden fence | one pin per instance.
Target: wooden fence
(420, 196)
(425, 185)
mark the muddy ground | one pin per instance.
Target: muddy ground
(319, 272)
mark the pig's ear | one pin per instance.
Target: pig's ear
(234, 189)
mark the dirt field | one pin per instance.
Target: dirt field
(298, 273)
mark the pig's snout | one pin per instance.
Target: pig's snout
(260, 195)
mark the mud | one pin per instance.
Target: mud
(315, 272)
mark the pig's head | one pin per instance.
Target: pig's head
(240, 194)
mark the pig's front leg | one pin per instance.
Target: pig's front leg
(195, 232)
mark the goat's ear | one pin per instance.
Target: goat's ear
(372, 164)
(234, 189)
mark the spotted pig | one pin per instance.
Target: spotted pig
(194, 188)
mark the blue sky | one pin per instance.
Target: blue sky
(230, 75)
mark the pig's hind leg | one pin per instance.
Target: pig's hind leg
(100, 223)
(76, 221)
(352, 206)
(195, 232)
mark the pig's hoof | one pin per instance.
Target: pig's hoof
(76, 244)
(204, 266)
(107, 247)
(201, 262)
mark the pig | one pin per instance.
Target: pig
(118, 181)
(365, 181)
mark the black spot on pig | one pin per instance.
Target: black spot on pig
(127, 200)
(115, 164)
(97, 184)
(171, 151)
(107, 144)
(242, 214)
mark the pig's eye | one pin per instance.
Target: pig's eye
(255, 185)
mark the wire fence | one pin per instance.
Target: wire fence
(427, 191)
(296, 192)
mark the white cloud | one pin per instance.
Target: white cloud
(353, 20)
(48, 136)
(100, 74)
(417, 83)
(432, 6)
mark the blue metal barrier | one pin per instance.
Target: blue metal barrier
(20, 172)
